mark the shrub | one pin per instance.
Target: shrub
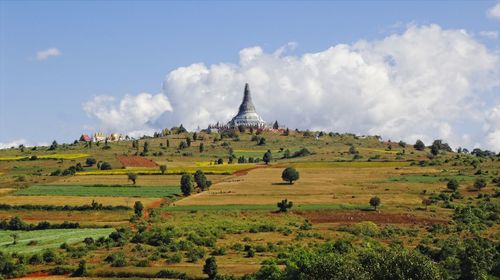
(105, 166)
(186, 184)
(452, 185)
(375, 202)
(480, 184)
(284, 205)
(195, 253)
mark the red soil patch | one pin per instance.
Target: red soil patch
(155, 204)
(349, 217)
(38, 274)
(136, 161)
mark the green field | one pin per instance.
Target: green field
(77, 190)
(33, 241)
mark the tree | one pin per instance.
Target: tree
(352, 150)
(262, 141)
(200, 179)
(426, 202)
(202, 147)
(186, 184)
(168, 143)
(163, 169)
(375, 202)
(188, 141)
(81, 270)
(195, 136)
(276, 125)
(210, 268)
(452, 185)
(479, 184)
(132, 177)
(290, 175)
(419, 145)
(146, 148)
(53, 146)
(138, 207)
(268, 156)
(183, 145)
(284, 205)
(90, 161)
(434, 150)
(105, 166)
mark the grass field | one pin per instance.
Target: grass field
(316, 186)
(269, 207)
(76, 190)
(43, 239)
(143, 180)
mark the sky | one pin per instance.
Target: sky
(404, 70)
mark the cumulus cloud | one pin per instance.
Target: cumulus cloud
(489, 34)
(45, 54)
(494, 12)
(425, 83)
(135, 115)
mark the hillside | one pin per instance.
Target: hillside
(236, 219)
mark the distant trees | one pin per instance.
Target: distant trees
(186, 184)
(419, 145)
(352, 150)
(290, 174)
(132, 177)
(210, 268)
(452, 185)
(202, 147)
(284, 205)
(188, 141)
(53, 146)
(268, 156)
(375, 202)
(262, 141)
(163, 169)
(480, 184)
(276, 125)
(138, 207)
(145, 149)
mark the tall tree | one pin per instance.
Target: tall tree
(268, 156)
(186, 184)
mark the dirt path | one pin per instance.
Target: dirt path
(349, 217)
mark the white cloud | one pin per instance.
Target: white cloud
(494, 12)
(17, 142)
(45, 54)
(135, 115)
(424, 83)
(489, 34)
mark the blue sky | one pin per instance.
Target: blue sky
(115, 48)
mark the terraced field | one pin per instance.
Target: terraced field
(34, 241)
(115, 191)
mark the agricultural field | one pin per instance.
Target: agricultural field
(152, 227)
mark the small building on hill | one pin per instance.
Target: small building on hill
(85, 138)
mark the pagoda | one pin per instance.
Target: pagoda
(247, 115)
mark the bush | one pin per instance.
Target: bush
(480, 184)
(105, 166)
(195, 253)
(452, 185)
(284, 205)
